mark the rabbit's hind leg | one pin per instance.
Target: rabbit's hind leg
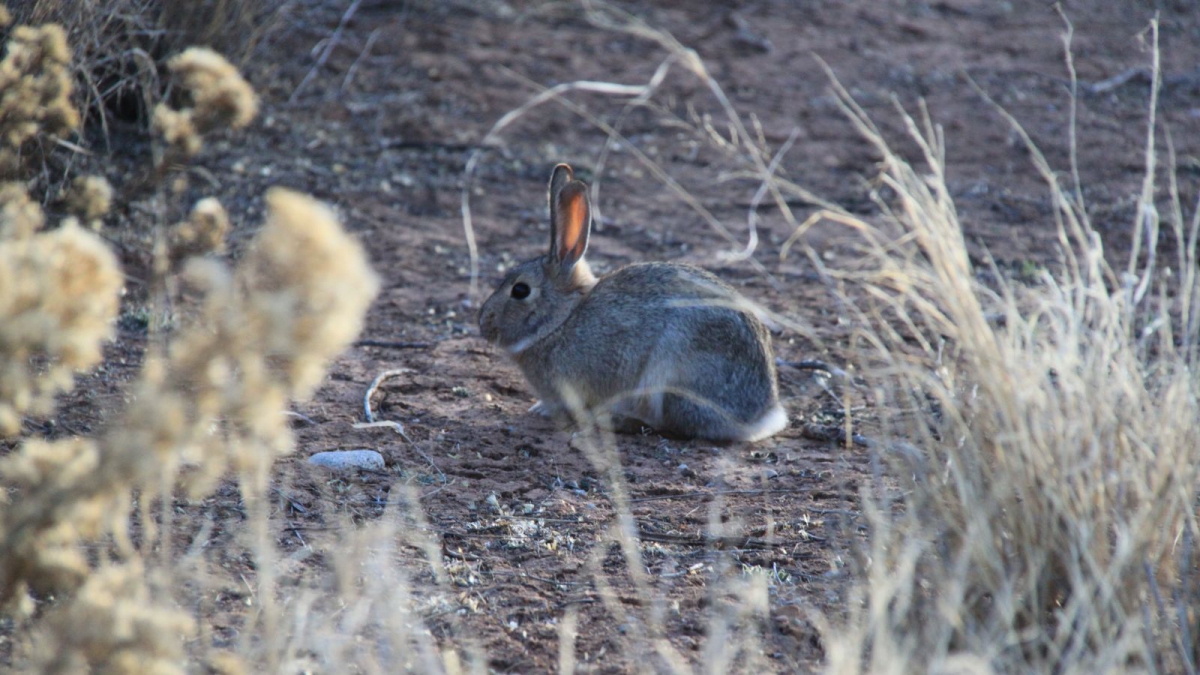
(690, 417)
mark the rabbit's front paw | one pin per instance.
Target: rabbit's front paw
(547, 410)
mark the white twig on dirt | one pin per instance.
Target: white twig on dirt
(303, 418)
(329, 45)
(371, 423)
(73, 147)
(1118, 80)
(752, 214)
(362, 55)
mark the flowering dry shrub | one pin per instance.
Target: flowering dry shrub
(264, 334)
(88, 198)
(220, 98)
(121, 44)
(214, 400)
(59, 294)
(203, 232)
(35, 91)
(209, 399)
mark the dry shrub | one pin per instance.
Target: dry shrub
(1051, 458)
(35, 92)
(88, 199)
(214, 400)
(210, 398)
(59, 294)
(203, 232)
(20, 216)
(121, 43)
(264, 335)
(221, 98)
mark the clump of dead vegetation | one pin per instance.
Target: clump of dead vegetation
(210, 397)
(1050, 466)
(35, 91)
(221, 99)
(121, 44)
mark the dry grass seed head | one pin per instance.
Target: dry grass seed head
(177, 130)
(61, 293)
(35, 91)
(20, 216)
(113, 622)
(220, 98)
(89, 198)
(203, 232)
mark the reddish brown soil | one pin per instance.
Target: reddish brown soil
(388, 146)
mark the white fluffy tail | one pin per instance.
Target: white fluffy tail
(773, 422)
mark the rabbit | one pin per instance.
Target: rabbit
(662, 345)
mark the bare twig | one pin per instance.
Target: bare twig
(816, 364)
(711, 493)
(388, 344)
(1116, 81)
(329, 45)
(303, 418)
(353, 70)
(371, 423)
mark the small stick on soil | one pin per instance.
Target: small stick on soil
(428, 459)
(450, 553)
(388, 344)
(1116, 80)
(303, 418)
(371, 423)
(714, 493)
(291, 502)
(354, 66)
(333, 40)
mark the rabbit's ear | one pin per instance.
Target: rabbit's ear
(571, 220)
(561, 176)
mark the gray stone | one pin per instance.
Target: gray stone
(344, 460)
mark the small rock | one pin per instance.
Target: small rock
(343, 460)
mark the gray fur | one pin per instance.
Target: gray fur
(666, 345)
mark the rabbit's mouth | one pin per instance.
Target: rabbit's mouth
(520, 345)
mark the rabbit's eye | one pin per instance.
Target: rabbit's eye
(520, 290)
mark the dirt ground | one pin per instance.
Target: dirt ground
(410, 90)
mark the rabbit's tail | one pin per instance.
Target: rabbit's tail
(771, 423)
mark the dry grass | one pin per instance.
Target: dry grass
(1050, 462)
(121, 45)
(209, 400)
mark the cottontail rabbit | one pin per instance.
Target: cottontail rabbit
(664, 345)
